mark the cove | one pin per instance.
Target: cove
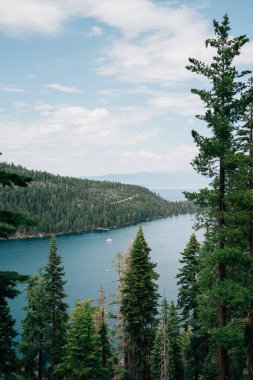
(88, 258)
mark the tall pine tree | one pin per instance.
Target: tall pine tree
(224, 108)
(139, 308)
(33, 341)
(162, 364)
(56, 315)
(187, 280)
(82, 355)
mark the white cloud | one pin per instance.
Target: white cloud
(72, 128)
(12, 89)
(61, 88)
(142, 154)
(20, 105)
(95, 31)
(154, 42)
(178, 103)
(177, 158)
(22, 17)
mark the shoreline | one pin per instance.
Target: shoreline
(97, 229)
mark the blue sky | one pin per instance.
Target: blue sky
(90, 87)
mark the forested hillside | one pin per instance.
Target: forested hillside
(64, 204)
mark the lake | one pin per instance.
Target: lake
(88, 258)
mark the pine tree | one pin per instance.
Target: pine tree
(162, 364)
(105, 346)
(139, 308)
(224, 108)
(8, 360)
(55, 308)
(175, 341)
(82, 356)
(187, 301)
(241, 201)
(187, 281)
(33, 342)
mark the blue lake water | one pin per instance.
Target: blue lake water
(88, 258)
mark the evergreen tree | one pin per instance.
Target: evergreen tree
(175, 341)
(56, 316)
(187, 281)
(33, 345)
(82, 356)
(162, 364)
(241, 202)
(139, 308)
(8, 360)
(105, 346)
(187, 301)
(224, 109)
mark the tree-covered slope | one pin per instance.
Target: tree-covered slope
(64, 204)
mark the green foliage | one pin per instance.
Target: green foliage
(9, 221)
(56, 316)
(187, 280)
(139, 308)
(162, 363)
(223, 274)
(45, 324)
(33, 345)
(64, 204)
(8, 360)
(82, 356)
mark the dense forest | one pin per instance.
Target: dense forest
(208, 335)
(64, 204)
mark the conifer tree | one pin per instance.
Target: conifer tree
(187, 281)
(139, 308)
(241, 203)
(224, 109)
(162, 364)
(175, 341)
(8, 360)
(105, 346)
(82, 356)
(33, 342)
(55, 308)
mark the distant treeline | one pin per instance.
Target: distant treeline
(64, 204)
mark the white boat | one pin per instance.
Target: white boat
(109, 240)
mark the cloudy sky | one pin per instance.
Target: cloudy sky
(91, 87)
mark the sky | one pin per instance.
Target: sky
(91, 87)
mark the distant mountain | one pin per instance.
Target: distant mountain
(156, 178)
(67, 205)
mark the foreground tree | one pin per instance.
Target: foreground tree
(105, 346)
(82, 356)
(139, 308)
(8, 290)
(33, 342)
(187, 281)
(162, 364)
(56, 315)
(224, 108)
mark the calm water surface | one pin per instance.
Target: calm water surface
(88, 258)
